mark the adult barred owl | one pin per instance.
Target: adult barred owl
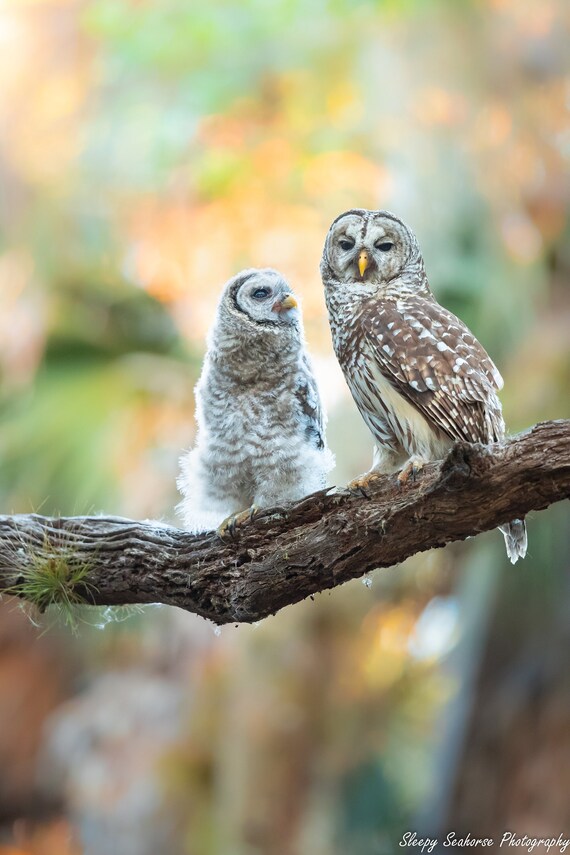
(419, 377)
(260, 438)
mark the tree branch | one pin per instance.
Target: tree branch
(285, 555)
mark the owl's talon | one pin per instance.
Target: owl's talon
(359, 486)
(411, 470)
(227, 530)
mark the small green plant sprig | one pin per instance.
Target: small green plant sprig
(51, 576)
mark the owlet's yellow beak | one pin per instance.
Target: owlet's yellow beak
(363, 262)
(288, 303)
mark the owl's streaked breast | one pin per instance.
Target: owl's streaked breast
(391, 418)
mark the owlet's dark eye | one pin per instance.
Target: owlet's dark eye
(260, 293)
(346, 244)
(385, 246)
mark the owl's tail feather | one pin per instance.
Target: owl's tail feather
(515, 539)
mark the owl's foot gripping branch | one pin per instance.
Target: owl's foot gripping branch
(279, 559)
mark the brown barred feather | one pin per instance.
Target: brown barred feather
(433, 360)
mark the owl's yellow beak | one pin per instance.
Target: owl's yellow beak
(363, 262)
(288, 303)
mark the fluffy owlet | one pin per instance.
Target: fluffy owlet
(419, 377)
(260, 438)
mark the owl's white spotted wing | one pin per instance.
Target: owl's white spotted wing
(307, 394)
(438, 365)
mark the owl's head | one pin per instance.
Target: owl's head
(370, 249)
(259, 301)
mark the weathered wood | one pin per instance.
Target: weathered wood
(285, 555)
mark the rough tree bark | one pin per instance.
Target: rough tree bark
(285, 555)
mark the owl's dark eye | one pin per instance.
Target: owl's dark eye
(385, 246)
(260, 293)
(346, 244)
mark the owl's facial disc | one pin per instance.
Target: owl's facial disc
(367, 247)
(265, 297)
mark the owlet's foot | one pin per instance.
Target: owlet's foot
(227, 530)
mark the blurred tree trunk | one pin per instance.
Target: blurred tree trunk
(514, 771)
(36, 678)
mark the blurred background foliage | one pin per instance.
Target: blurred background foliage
(148, 151)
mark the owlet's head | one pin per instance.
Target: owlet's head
(259, 301)
(371, 249)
